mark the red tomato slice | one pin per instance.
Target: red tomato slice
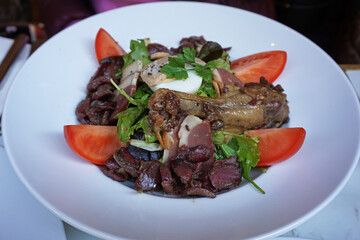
(106, 46)
(277, 144)
(92, 142)
(265, 64)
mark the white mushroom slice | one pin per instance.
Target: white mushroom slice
(132, 68)
(170, 141)
(159, 55)
(130, 80)
(147, 41)
(199, 61)
(216, 87)
(189, 85)
(151, 74)
(222, 78)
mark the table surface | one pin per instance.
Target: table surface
(338, 220)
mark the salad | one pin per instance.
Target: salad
(183, 121)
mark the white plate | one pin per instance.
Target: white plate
(44, 96)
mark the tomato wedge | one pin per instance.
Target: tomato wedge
(265, 64)
(94, 143)
(106, 46)
(277, 144)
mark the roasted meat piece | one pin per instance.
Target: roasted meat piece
(254, 106)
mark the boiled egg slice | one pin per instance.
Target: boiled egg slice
(189, 85)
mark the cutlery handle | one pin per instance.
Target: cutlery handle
(15, 48)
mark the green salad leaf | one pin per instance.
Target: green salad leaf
(176, 66)
(138, 52)
(126, 119)
(144, 125)
(206, 89)
(135, 117)
(222, 62)
(141, 96)
(175, 72)
(245, 148)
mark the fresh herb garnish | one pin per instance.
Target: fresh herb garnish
(245, 148)
(176, 66)
(140, 99)
(138, 52)
(179, 66)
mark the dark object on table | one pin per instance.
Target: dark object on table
(15, 48)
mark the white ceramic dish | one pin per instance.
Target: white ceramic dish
(46, 91)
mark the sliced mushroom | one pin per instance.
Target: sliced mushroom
(199, 61)
(159, 55)
(151, 74)
(216, 87)
(221, 78)
(132, 68)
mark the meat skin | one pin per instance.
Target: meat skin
(254, 106)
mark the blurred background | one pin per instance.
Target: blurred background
(334, 25)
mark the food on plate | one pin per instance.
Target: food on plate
(253, 106)
(92, 142)
(106, 46)
(265, 64)
(277, 144)
(184, 121)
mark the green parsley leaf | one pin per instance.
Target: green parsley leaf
(206, 90)
(248, 155)
(177, 62)
(175, 72)
(245, 148)
(176, 69)
(189, 55)
(204, 72)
